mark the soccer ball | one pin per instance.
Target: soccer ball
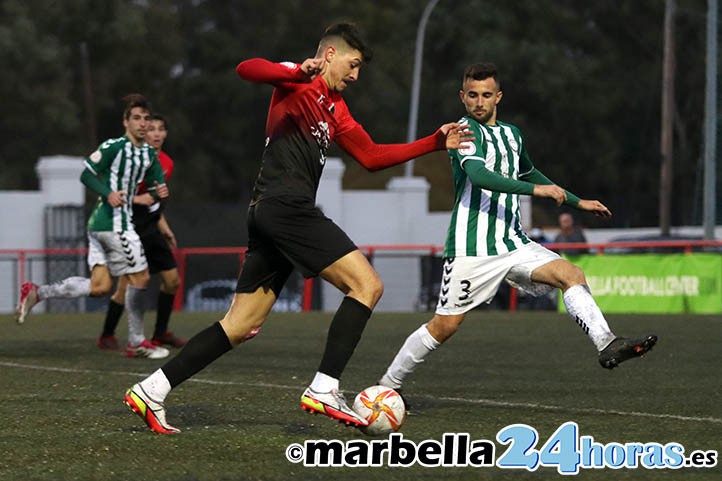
(382, 407)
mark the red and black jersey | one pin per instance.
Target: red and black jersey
(304, 117)
(146, 217)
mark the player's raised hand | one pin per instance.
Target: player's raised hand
(551, 191)
(595, 207)
(117, 198)
(456, 134)
(313, 66)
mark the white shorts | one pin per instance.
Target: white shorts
(466, 282)
(122, 252)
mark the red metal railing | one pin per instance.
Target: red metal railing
(370, 251)
(182, 254)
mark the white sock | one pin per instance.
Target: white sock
(418, 345)
(582, 308)
(134, 306)
(156, 386)
(67, 288)
(324, 383)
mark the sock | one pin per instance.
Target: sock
(324, 383)
(134, 303)
(582, 308)
(67, 288)
(156, 386)
(112, 317)
(165, 306)
(418, 345)
(201, 350)
(343, 336)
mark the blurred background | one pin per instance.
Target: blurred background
(582, 79)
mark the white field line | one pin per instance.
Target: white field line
(460, 400)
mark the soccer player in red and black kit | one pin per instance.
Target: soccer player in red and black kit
(286, 230)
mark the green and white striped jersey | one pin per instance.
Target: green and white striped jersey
(484, 222)
(121, 166)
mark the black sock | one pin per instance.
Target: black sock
(343, 336)
(112, 317)
(201, 350)
(165, 306)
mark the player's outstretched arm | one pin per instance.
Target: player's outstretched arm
(358, 143)
(551, 191)
(260, 70)
(595, 207)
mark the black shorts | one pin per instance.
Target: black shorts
(286, 233)
(158, 252)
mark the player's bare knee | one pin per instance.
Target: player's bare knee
(139, 279)
(442, 328)
(100, 287)
(170, 286)
(368, 293)
(238, 329)
(450, 328)
(240, 326)
(118, 296)
(375, 290)
(98, 291)
(573, 276)
(253, 333)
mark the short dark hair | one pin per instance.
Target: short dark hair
(349, 33)
(159, 118)
(132, 101)
(482, 71)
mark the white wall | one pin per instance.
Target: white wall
(397, 215)
(22, 215)
(24, 212)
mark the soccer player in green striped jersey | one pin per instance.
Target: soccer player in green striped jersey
(486, 244)
(113, 171)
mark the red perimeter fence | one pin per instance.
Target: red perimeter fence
(21, 257)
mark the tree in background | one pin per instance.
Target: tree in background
(585, 79)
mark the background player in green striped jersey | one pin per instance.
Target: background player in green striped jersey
(486, 245)
(158, 243)
(113, 172)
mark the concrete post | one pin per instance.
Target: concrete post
(59, 178)
(329, 197)
(413, 195)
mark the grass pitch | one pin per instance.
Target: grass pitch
(62, 415)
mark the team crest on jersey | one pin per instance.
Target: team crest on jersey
(96, 157)
(467, 148)
(323, 138)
